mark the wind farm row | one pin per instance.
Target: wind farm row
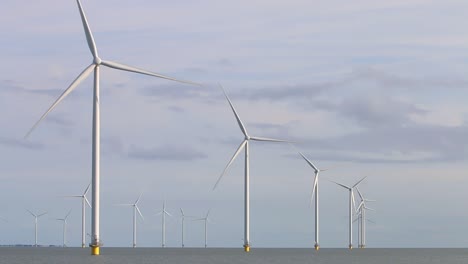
(96, 241)
(357, 216)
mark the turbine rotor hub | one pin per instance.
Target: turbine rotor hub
(97, 61)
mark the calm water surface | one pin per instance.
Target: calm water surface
(231, 255)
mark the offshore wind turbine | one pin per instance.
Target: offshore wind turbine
(84, 201)
(96, 130)
(315, 191)
(352, 204)
(64, 220)
(183, 216)
(362, 212)
(35, 224)
(163, 213)
(135, 210)
(206, 219)
(244, 144)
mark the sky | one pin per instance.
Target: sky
(372, 88)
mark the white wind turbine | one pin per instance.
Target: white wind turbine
(244, 144)
(183, 216)
(96, 131)
(362, 216)
(206, 219)
(135, 210)
(35, 224)
(315, 191)
(352, 205)
(163, 214)
(64, 220)
(84, 201)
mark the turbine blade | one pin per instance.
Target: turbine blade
(86, 200)
(89, 34)
(309, 162)
(136, 202)
(31, 213)
(67, 214)
(70, 88)
(367, 200)
(344, 186)
(139, 212)
(73, 196)
(354, 201)
(87, 189)
(268, 139)
(123, 67)
(166, 212)
(357, 183)
(182, 212)
(368, 220)
(241, 146)
(239, 121)
(208, 213)
(360, 195)
(315, 186)
(42, 214)
(367, 208)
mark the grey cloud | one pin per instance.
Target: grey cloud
(176, 109)
(377, 111)
(18, 143)
(166, 152)
(436, 143)
(177, 91)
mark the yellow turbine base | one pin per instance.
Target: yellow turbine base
(95, 251)
(317, 247)
(246, 248)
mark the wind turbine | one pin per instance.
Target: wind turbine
(163, 213)
(244, 144)
(96, 131)
(64, 244)
(206, 219)
(351, 205)
(315, 191)
(183, 216)
(135, 210)
(84, 201)
(362, 212)
(35, 224)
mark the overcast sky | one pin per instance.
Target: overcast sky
(372, 88)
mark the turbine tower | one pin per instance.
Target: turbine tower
(362, 212)
(96, 130)
(206, 219)
(135, 210)
(64, 220)
(352, 205)
(163, 213)
(315, 191)
(35, 224)
(244, 144)
(84, 201)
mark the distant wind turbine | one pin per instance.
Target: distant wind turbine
(163, 213)
(362, 216)
(315, 189)
(96, 131)
(84, 201)
(135, 210)
(183, 216)
(64, 220)
(352, 204)
(206, 219)
(244, 144)
(35, 224)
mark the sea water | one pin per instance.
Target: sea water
(230, 255)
